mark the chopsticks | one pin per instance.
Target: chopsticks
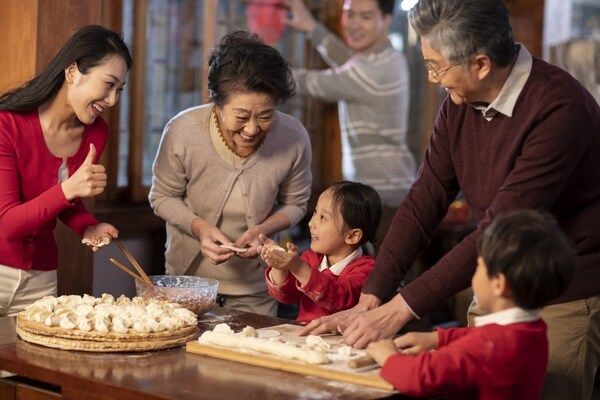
(142, 277)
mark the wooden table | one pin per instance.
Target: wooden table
(168, 374)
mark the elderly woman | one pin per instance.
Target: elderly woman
(232, 169)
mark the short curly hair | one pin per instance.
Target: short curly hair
(242, 62)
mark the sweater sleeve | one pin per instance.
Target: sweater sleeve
(450, 369)
(294, 191)
(333, 50)
(169, 181)
(287, 293)
(549, 158)
(77, 217)
(334, 293)
(349, 82)
(447, 336)
(17, 218)
(417, 219)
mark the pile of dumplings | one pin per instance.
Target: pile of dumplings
(107, 314)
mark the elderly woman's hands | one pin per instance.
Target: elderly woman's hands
(210, 237)
(250, 241)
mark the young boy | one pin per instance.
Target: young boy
(328, 277)
(524, 262)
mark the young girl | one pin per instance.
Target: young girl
(328, 277)
(51, 136)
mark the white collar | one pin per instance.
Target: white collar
(509, 316)
(339, 266)
(506, 100)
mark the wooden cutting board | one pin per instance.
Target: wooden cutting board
(337, 370)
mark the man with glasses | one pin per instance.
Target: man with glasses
(369, 81)
(513, 133)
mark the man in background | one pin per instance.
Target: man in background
(369, 80)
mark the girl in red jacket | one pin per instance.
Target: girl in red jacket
(328, 277)
(51, 136)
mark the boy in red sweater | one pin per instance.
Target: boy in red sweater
(524, 262)
(328, 277)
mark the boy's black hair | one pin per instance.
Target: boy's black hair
(531, 251)
(359, 206)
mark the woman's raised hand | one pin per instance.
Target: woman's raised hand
(88, 181)
(210, 238)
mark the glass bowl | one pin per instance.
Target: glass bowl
(194, 293)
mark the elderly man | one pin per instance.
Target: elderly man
(514, 132)
(370, 82)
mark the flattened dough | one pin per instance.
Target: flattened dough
(268, 333)
(283, 350)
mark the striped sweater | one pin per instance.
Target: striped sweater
(372, 91)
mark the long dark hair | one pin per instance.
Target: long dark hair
(88, 47)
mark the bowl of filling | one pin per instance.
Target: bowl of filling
(192, 292)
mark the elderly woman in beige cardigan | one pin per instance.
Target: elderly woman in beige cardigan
(230, 170)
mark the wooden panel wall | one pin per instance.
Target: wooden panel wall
(18, 44)
(527, 21)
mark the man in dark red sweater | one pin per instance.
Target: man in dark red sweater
(514, 132)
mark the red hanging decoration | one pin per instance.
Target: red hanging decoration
(265, 17)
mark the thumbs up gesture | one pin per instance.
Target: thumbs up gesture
(88, 181)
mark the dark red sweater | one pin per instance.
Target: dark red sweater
(491, 362)
(30, 195)
(546, 157)
(324, 293)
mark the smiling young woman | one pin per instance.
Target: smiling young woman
(51, 136)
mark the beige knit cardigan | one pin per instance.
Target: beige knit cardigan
(190, 180)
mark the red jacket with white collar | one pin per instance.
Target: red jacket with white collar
(491, 362)
(325, 293)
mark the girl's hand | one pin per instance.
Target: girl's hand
(96, 233)
(88, 181)
(414, 343)
(210, 238)
(275, 256)
(380, 351)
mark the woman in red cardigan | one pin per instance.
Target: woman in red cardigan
(51, 135)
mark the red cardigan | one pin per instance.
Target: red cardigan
(487, 363)
(30, 195)
(325, 293)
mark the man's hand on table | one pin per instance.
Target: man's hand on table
(379, 323)
(333, 322)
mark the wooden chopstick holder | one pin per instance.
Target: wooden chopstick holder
(135, 264)
(126, 270)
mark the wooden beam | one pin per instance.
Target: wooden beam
(18, 47)
(137, 96)
(209, 38)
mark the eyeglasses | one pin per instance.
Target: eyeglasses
(438, 74)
